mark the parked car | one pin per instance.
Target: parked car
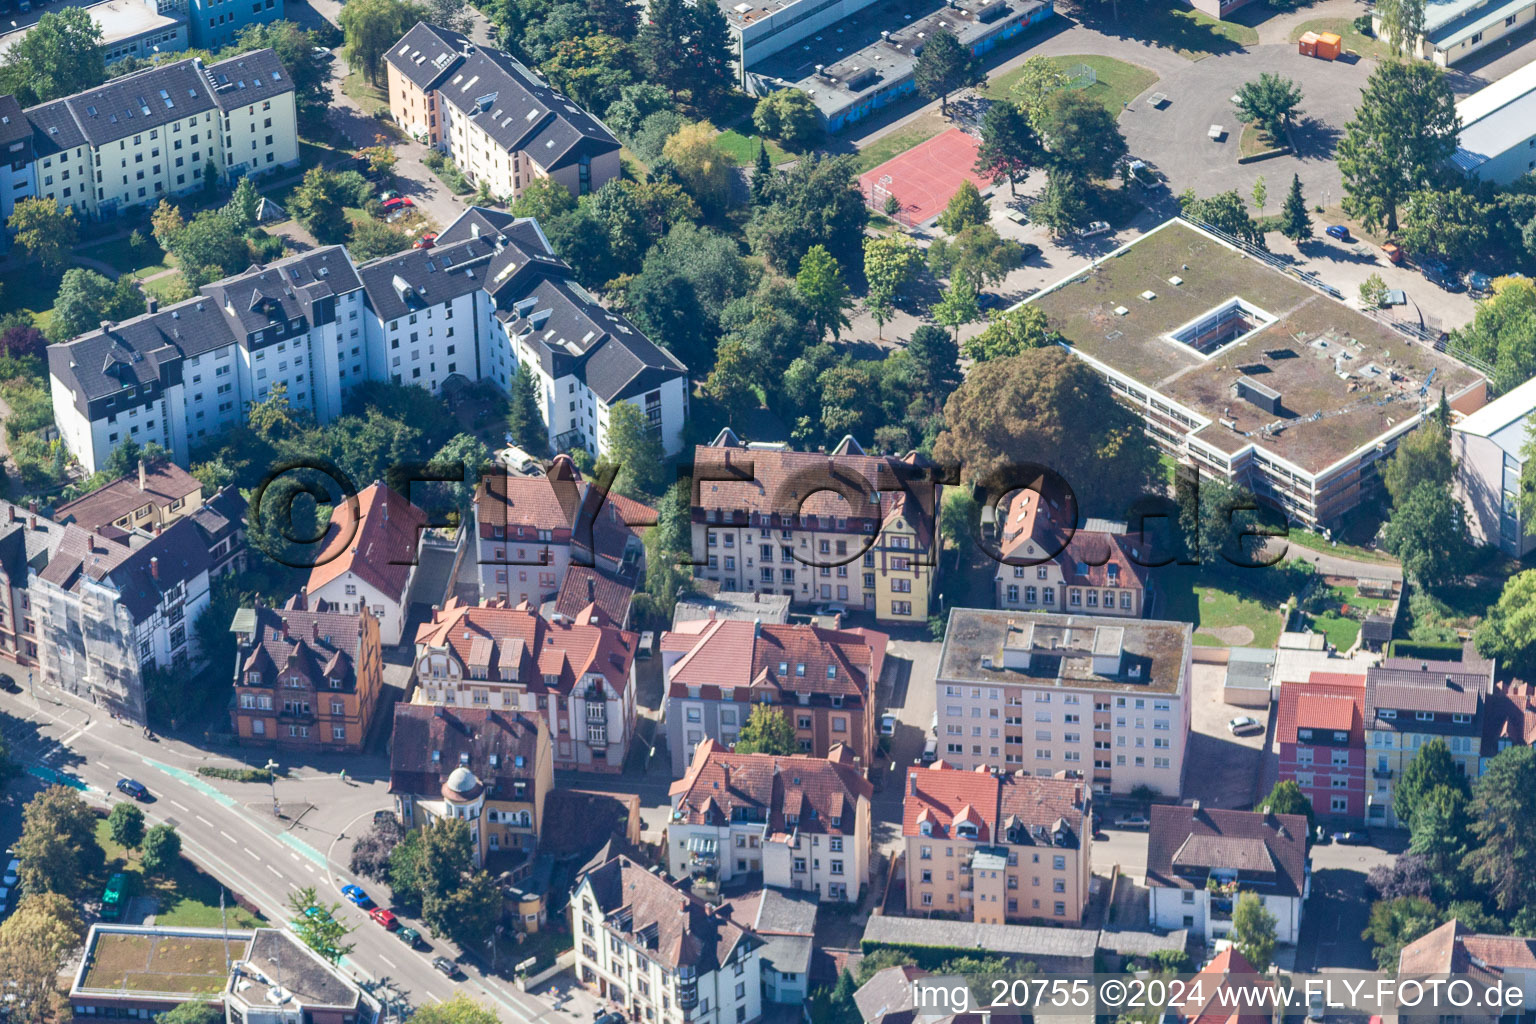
(356, 896)
(384, 918)
(930, 751)
(1094, 229)
(443, 965)
(989, 300)
(319, 914)
(133, 788)
(8, 684)
(1315, 1006)
(426, 241)
(114, 898)
(1353, 838)
(1028, 251)
(398, 203)
(611, 1017)
(1338, 231)
(410, 936)
(1133, 821)
(887, 725)
(385, 197)
(1243, 724)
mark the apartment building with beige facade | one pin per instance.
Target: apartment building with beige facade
(502, 125)
(996, 847)
(1049, 566)
(840, 528)
(1105, 699)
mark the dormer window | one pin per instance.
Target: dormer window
(783, 668)
(1340, 737)
(1386, 713)
(831, 671)
(495, 760)
(926, 828)
(253, 677)
(966, 830)
(837, 700)
(1461, 719)
(791, 820)
(1424, 716)
(799, 668)
(1303, 734)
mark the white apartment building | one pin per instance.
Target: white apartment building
(150, 134)
(490, 295)
(662, 954)
(1099, 698)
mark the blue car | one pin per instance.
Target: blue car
(356, 896)
(1338, 231)
(317, 914)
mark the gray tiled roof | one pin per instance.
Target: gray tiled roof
(248, 78)
(426, 277)
(1007, 939)
(1441, 689)
(13, 123)
(285, 290)
(427, 54)
(138, 352)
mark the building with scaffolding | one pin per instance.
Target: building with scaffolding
(1251, 375)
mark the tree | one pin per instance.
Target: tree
(466, 911)
(704, 170)
(1449, 223)
(317, 925)
(890, 263)
(1215, 521)
(957, 306)
(374, 238)
(592, 69)
(1409, 875)
(732, 383)
(82, 303)
(1295, 224)
(1082, 136)
(1396, 923)
(816, 202)
(36, 943)
(1270, 101)
(1441, 835)
(318, 201)
(59, 56)
(636, 450)
(935, 365)
(1287, 798)
(1253, 930)
(1402, 23)
(1508, 630)
(819, 281)
(966, 207)
(1504, 827)
(686, 46)
(44, 230)
(1009, 145)
(191, 1013)
(23, 341)
(1039, 79)
(454, 15)
(1225, 212)
(244, 203)
(459, 1010)
(127, 824)
(1428, 534)
(1502, 333)
(1260, 194)
(944, 66)
(370, 27)
(466, 457)
(789, 117)
(1063, 206)
(1048, 406)
(162, 849)
(525, 422)
(1373, 291)
(371, 850)
(978, 255)
(1404, 130)
(1010, 332)
(57, 848)
(768, 731)
(1423, 456)
(683, 287)
(1432, 768)
(210, 247)
(309, 71)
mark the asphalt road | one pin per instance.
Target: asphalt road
(228, 830)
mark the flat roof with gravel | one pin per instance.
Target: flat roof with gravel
(167, 963)
(1324, 379)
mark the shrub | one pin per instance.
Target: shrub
(236, 774)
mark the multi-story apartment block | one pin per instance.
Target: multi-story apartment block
(1199, 860)
(801, 822)
(1105, 699)
(578, 675)
(490, 768)
(995, 847)
(214, 24)
(838, 528)
(1321, 732)
(1098, 569)
(503, 126)
(306, 679)
(490, 296)
(368, 559)
(824, 680)
(1509, 719)
(108, 612)
(151, 134)
(528, 529)
(1489, 452)
(18, 162)
(157, 495)
(27, 543)
(662, 954)
(1409, 702)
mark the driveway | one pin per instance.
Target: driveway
(1339, 908)
(1220, 769)
(906, 690)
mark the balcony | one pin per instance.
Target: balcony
(1381, 773)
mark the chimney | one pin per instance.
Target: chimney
(141, 474)
(725, 773)
(1194, 805)
(159, 529)
(32, 506)
(154, 568)
(10, 511)
(592, 592)
(32, 525)
(912, 784)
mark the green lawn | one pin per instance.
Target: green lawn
(1253, 141)
(1351, 597)
(1118, 81)
(120, 255)
(743, 148)
(367, 95)
(161, 287)
(1340, 630)
(919, 130)
(188, 897)
(1365, 46)
(1222, 605)
(1315, 542)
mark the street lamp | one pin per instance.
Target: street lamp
(272, 767)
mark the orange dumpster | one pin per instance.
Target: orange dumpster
(1329, 46)
(1307, 44)
(1393, 252)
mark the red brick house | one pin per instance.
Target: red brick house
(1321, 732)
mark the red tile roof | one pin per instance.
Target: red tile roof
(162, 483)
(516, 645)
(375, 538)
(1327, 700)
(1509, 717)
(733, 653)
(563, 504)
(1032, 530)
(1217, 997)
(816, 790)
(1502, 950)
(941, 797)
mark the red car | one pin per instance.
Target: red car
(398, 202)
(384, 917)
(426, 241)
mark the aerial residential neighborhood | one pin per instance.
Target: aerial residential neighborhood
(714, 512)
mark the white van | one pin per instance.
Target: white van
(930, 751)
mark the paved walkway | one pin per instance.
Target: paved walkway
(1338, 565)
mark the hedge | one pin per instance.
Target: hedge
(1426, 651)
(236, 774)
